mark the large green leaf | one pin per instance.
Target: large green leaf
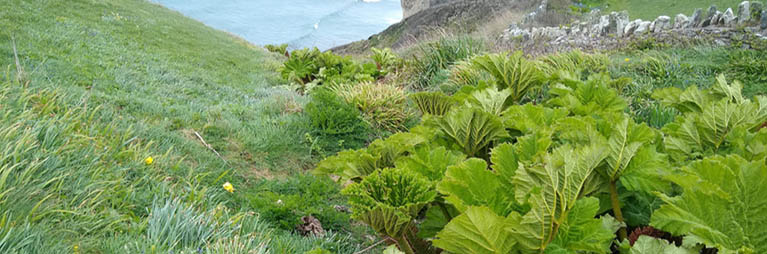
(389, 200)
(650, 245)
(471, 129)
(531, 118)
(479, 230)
(592, 97)
(471, 183)
(490, 100)
(633, 159)
(349, 164)
(582, 233)
(723, 204)
(433, 103)
(715, 121)
(512, 72)
(553, 189)
(430, 162)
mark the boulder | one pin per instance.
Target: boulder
(744, 12)
(662, 23)
(618, 22)
(697, 17)
(681, 21)
(631, 27)
(709, 20)
(514, 32)
(764, 20)
(717, 19)
(643, 27)
(601, 26)
(728, 18)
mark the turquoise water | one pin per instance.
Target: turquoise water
(300, 23)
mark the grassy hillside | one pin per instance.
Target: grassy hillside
(651, 9)
(91, 89)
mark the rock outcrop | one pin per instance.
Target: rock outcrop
(439, 17)
(410, 7)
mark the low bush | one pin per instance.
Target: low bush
(309, 68)
(337, 124)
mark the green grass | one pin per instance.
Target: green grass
(102, 85)
(651, 9)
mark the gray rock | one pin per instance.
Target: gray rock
(764, 20)
(717, 19)
(744, 12)
(709, 20)
(662, 23)
(618, 22)
(643, 27)
(728, 18)
(711, 11)
(697, 17)
(681, 21)
(631, 27)
(514, 32)
(601, 26)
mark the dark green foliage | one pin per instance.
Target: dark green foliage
(284, 202)
(333, 121)
(389, 200)
(308, 68)
(429, 67)
(749, 67)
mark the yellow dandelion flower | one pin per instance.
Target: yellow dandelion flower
(149, 160)
(627, 60)
(76, 248)
(228, 187)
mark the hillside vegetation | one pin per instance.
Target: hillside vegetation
(128, 128)
(651, 9)
(93, 88)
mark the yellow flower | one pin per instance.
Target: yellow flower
(149, 160)
(627, 60)
(228, 187)
(76, 248)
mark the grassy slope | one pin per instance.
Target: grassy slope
(651, 9)
(106, 84)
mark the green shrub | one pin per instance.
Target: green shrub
(309, 68)
(434, 58)
(282, 49)
(284, 202)
(338, 124)
(385, 59)
(382, 105)
(513, 72)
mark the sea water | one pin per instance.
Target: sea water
(299, 23)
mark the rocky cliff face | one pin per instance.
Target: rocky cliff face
(424, 18)
(410, 7)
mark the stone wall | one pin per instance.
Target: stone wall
(597, 30)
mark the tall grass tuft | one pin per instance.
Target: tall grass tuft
(383, 105)
(432, 60)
